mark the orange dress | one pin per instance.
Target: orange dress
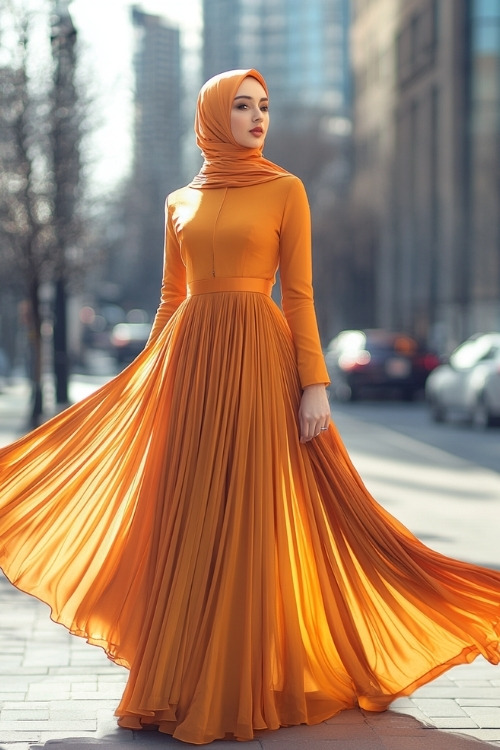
(173, 517)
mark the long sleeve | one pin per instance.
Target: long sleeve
(296, 286)
(173, 289)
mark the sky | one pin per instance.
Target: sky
(105, 35)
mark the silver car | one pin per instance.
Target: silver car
(468, 386)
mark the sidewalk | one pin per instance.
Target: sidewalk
(14, 410)
(58, 693)
(15, 402)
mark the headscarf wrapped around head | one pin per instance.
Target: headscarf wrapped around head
(226, 163)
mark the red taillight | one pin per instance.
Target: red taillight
(117, 341)
(354, 361)
(428, 362)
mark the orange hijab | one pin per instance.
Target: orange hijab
(226, 163)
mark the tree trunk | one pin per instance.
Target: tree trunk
(61, 368)
(36, 357)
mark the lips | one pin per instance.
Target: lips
(257, 131)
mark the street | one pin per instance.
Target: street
(413, 419)
(442, 481)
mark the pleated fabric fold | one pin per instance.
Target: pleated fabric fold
(247, 581)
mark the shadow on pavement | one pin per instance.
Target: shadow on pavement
(356, 730)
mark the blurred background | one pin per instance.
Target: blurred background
(389, 111)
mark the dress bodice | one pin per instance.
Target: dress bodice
(229, 231)
(246, 232)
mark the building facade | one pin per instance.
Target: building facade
(426, 139)
(482, 269)
(300, 46)
(158, 126)
(156, 170)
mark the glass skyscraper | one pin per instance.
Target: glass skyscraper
(300, 46)
(157, 101)
(157, 151)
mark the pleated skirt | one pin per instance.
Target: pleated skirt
(248, 581)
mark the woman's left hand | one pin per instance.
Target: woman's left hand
(314, 412)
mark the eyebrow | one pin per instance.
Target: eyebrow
(242, 96)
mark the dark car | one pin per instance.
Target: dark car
(128, 340)
(373, 362)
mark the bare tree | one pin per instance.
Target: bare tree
(40, 186)
(25, 199)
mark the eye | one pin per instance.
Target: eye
(242, 106)
(264, 108)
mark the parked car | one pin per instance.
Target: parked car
(128, 340)
(468, 385)
(376, 361)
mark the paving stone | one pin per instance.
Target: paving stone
(79, 685)
(486, 717)
(26, 713)
(115, 692)
(78, 657)
(472, 683)
(6, 697)
(454, 722)
(81, 708)
(321, 731)
(434, 742)
(65, 735)
(46, 726)
(49, 692)
(87, 680)
(15, 737)
(400, 702)
(435, 691)
(486, 691)
(477, 670)
(38, 658)
(120, 676)
(354, 716)
(414, 712)
(93, 673)
(12, 662)
(107, 726)
(20, 682)
(439, 707)
(485, 735)
(373, 743)
(19, 672)
(395, 723)
(32, 705)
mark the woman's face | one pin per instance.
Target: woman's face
(250, 114)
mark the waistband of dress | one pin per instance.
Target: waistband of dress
(229, 284)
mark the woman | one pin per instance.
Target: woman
(199, 517)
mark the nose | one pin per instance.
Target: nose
(257, 116)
